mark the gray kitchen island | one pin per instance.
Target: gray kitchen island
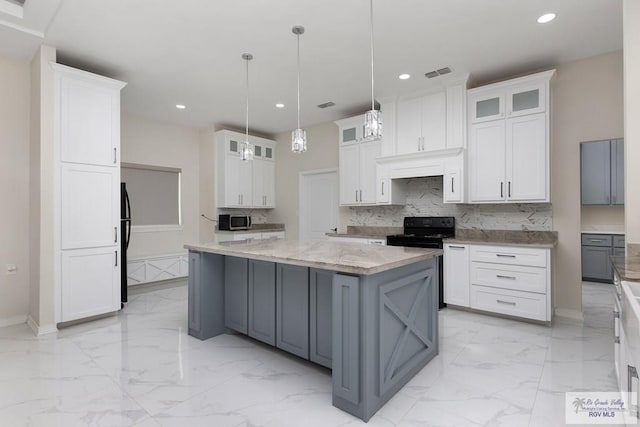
(367, 312)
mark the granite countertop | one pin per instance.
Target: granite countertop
(603, 229)
(628, 268)
(368, 232)
(255, 228)
(335, 256)
(540, 239)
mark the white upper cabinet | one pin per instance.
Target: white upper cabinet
(264, 173)
(487, 155)
(509, 132)
(526, 99)
(358, 173)
(421, 123)
(244, 184)
(426, 122)
(88, 117)
(357, 163)
(486, 106)
(527, 166)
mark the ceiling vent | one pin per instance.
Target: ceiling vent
(327, 104)
(436, 73)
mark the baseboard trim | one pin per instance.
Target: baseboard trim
(41, 330)
(567, 315)
(15, 320)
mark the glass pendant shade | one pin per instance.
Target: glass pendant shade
(299, 141)
(246, 150)
(373, 124)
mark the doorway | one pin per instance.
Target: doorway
(318, 204)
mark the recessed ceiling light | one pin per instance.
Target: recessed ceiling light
(180, 106)
(547, 17)
(404, 76)
(279, 105)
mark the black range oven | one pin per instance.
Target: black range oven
(426, 232)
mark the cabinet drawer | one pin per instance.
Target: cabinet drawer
(519, 278)
(514, 303)
(618, 241)
(532, 257)
(597, 240)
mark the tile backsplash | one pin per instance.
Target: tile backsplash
(424, 198)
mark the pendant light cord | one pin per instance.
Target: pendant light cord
(371, 21)
(298, 36)
(246, 129)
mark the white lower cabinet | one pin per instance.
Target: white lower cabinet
(515, 281)
(504, 301)
(90, 282)
(227, 237)
(456, 273)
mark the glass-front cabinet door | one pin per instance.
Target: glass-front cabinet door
(487, 106)
(526, 99)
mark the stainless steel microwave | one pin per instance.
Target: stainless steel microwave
(234, 222)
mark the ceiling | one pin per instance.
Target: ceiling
(189, 51)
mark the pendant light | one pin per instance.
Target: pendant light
(373, 117)
(298, 136)
(246, 149)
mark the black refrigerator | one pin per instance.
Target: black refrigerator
(125, 236)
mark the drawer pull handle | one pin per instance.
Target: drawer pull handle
(505, 302)
(505, 256)
(499, 276)
(596, 240)
(455, 247)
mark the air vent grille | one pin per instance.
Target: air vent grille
(438, 72)
(327, 104)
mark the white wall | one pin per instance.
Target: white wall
(14, 189)
(587, 106)
(631, 18)
(149, 142)
(322, 153)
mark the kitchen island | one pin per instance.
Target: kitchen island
(370, 313)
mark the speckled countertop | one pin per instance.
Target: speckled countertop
(540, 239)
(628, 268)
(255, 228)
(335, 256)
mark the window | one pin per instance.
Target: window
(154, 194)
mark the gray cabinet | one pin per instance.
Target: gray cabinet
(292, 309)
(602, 172)
(596, 252)
(320, 300)
(262, 301)
(617, 172)
(596, 265)
(206, 273)
(235, 293)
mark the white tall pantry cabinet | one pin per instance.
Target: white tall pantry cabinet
(87, 142)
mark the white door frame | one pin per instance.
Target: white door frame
(302, 197)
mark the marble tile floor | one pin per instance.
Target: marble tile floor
(140, 368)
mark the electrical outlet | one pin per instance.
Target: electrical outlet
(12, 269)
